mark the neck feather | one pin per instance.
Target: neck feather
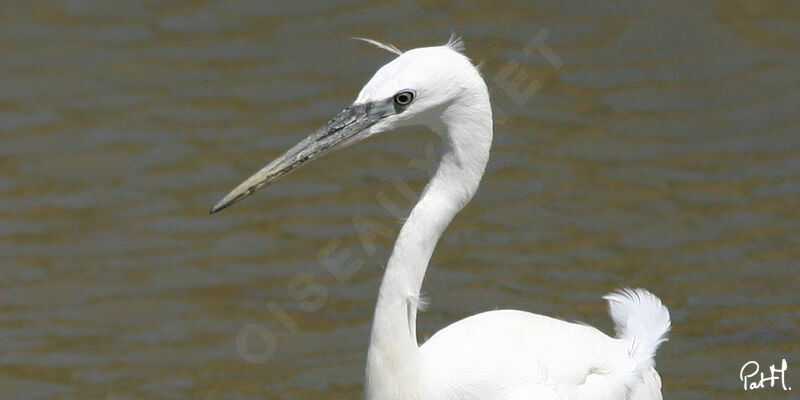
(393, 357)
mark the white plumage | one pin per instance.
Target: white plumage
(497, 355)
(505, 354)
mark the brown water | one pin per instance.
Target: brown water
(664, 152)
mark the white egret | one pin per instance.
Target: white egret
(503, 354)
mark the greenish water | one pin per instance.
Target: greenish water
(663, 151)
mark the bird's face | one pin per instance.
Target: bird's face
(410, 90)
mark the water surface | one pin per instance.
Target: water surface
(662, 152)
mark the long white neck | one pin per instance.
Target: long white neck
(393, 360)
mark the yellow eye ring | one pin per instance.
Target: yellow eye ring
(403, 98)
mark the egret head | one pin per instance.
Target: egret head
(413, 89)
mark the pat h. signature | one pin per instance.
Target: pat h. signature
(753, 378)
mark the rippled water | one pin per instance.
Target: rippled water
(663, 152)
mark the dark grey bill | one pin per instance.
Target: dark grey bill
(347, 125)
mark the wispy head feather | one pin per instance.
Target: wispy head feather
(456, 43)
(386, 46)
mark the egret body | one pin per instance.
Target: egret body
(508, 355)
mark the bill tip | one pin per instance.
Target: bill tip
(219, 207)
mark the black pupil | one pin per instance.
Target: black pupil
(403, 98)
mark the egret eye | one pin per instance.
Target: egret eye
(403, 98)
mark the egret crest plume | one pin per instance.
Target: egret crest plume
(386, 46)
(456, 43)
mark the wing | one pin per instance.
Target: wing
(649, 388)
(518, 355)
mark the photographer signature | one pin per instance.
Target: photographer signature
(753, 379)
